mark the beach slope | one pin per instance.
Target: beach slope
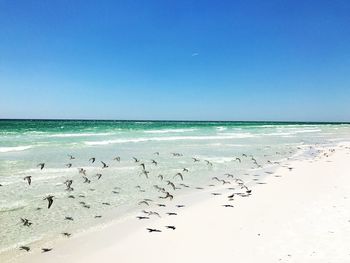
(295, 215)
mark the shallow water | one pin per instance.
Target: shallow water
(24, 144)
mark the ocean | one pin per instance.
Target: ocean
(26, 143)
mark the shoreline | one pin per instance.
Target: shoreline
(206, 231)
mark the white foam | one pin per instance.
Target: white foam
(170, 131)
(59, 135)
(14, 149)
(172, 138)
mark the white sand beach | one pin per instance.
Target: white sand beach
(298, 215)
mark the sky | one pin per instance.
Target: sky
(175, 60)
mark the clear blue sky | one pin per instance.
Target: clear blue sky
(187, 60)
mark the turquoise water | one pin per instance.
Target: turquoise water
(24, 144)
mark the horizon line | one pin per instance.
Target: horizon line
(154, 120)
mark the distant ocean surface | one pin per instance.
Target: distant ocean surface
(26, 143)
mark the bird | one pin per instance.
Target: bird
(215, 178)
(69, 218)
(185, 170)
(104, 165)
(179, 174)
(68, 165)
(44, 250)
(66, 234)
(143, 202)
(49, 198)
(153, 213)
(171, 184)
(86, 180)
(71, 157)
(225, 182)
(153, 230)
(145, 173)
(117, 158)
(42, 165)
(229, 175)
(29, 179)
(142, 217)
(171, 214)
(92, 159)
(98, 176)
(26, 222)
(143, 166)
(168, 195)
(82, 171)
(231, 196)
(105, 203)
(24, 248)
(237, 159)
(154, 162)
(195, 159)
(98, 216)
(171, 227)
(135, 159)
(208, 163)
(228, 205)
(161, 177)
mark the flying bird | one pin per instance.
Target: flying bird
(92, 159)
(168, 195)
(142, 217)
(42, 165)
(171, 184)
(153, 230)
(143, 202)
(49, 198)
(171, 214)
(29, 179)
(181, 176)
(104, 165)
(26, 222)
